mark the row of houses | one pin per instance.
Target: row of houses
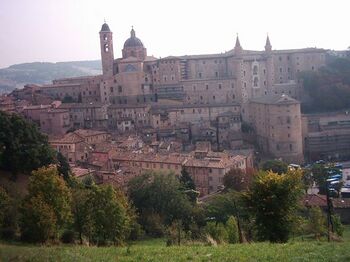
(130, 157)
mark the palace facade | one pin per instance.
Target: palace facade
(214, 91)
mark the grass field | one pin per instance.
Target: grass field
(155, 250)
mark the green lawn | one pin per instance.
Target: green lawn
(155, 250)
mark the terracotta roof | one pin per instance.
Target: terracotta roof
(321, 201)
(78, 171)
(70, 138)
(35, 107)
(275, 99)
(81, 105)
(88, 132)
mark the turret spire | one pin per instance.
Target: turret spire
(238, 48)
(238, 44)
(268, 46)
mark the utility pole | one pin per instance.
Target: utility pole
(330, 226)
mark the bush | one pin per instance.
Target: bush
(317, 222)
(217, 232)
(232, 230)
(136, 231)
(68, 237)
(153, 225)
(276, 166)
(47, 207)
(175, 234)
(8, 233)
(38, 222)
(274, 200)
(337, 225)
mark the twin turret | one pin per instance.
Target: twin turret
(238, 50)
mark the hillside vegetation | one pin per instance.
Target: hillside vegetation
(329, 88)
(43, 72)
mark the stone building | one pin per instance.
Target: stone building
(137, 91)
(87, 115)
(55, 121)
(326, 135)
(276, 120)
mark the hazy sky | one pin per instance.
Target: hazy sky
(67, 30)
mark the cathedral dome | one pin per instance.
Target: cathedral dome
(105, 28)
(133, 41)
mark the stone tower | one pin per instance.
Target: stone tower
(269, 64)
(107, 57)
(238, 69)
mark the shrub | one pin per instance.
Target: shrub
(317, 222)
(8, 233)
(68, 236)
(136, 231)
(217, 231)
(38, 222)
(153, 225)
(232, 230)
(274, 200)
(47, 207)
(175, 234)
(337, 225)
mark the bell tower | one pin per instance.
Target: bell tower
(107, 57)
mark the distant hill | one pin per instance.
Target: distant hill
(16, 76)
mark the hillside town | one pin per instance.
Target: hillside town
(185, 131)
(202, 113)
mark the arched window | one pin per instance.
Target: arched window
(256, 81)
(106, 47)
(105, 37)
(255, 70)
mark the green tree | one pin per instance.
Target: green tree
(223, 206)
(274, 200)
(48, 191)
(82, 213)
(22, 147)
(189, 186)
(232, 230)
(63, 167)
(319, 174)
(238, 180)
(316, 223)
(109, 214)
(328, 88)
(276, 166)
(307, 179)
(338, 227)
(4, 205)
(217, 231)
(38, 221)
(9, 211)
(159, 195)
(186, 180)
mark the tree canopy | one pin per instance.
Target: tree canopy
(273, 199)
(47, 207)
(328, 89)
(276, 166)
(159, 196)
(22, 147)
